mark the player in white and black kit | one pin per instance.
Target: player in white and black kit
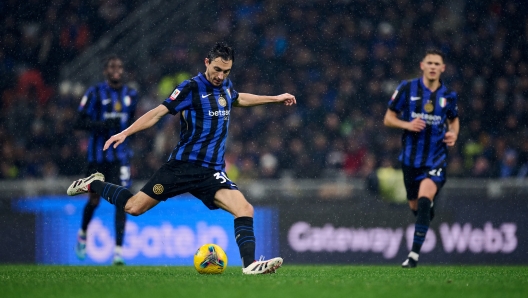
(197, 163)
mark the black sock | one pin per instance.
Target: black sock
(120, 220)
(114, 194)
(245, 239)
(89, 209)
(422, 223)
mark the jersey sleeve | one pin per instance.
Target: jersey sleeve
(452, 106)
(234, 93)
(180, 99)
(397, 101)
(87, 102)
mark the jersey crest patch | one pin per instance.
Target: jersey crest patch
(394, 95)
(174, 94)
(442, 102)
(222, 101)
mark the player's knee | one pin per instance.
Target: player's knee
(247, 210)
(134, 210)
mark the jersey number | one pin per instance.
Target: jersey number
(221, 176)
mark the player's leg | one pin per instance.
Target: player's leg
(116, 195)
(426, 194)
(233, 201)
(89, 208)
(119, 174)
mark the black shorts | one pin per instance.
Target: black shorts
(176, 177)
(114, 172)
(412, 177)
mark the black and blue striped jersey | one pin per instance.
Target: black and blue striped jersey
(105, 111)
(205, 111)
(413, 99)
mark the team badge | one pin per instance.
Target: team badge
(222, 101)
(429, 107)
(127, 101)
(117, 106)
(442, 102)
(158, 189)
(174, 94)
(394, 95)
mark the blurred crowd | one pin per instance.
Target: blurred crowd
(342, 60)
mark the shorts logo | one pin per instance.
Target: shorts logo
(158, 189)
(222, 101)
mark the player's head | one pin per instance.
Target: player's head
(218, 63)
(113, 69)
(432, 64)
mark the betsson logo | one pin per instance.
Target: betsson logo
(219, 113)
(302, 237)
(153, 241)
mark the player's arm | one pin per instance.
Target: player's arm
(452, 133)
(146, 121)
(249, 100)
(391, 120)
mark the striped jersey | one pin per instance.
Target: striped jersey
(413, 99)
(205, 111)
(101, 102)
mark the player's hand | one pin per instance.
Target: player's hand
(416, 125)
(450, 138)
(287, 98)
(116, 140)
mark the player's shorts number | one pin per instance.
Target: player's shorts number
(124, 174)
(435, 172)
(221, 176)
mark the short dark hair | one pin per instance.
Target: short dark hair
(222, 50)
(109, 58)
(434, 51)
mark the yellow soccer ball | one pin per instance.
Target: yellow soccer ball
(210, 259)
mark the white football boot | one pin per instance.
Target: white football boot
(263, 267)
(81, 186)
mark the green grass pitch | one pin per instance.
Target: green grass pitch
(289, 281)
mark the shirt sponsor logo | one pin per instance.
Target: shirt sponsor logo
(174, 94)
(224, 114)
(428, 118)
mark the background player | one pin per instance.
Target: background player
(429, 117)
(197, 163)
(106, 109)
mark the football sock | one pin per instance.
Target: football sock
(114, 194)
(245, 239)
(87, 215)
(422, 224)
(120, 220)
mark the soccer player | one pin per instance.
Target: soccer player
(106, 109)
(427, 112)
(197, 163)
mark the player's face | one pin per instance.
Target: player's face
(114, 71)
(432, 66)
(217, 70)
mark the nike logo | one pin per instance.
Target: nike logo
(237, 236)
(204, 96)
(413, 98)
(106, 101)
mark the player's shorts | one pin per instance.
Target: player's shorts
(114, 172)
(176, 177)
(412, 177)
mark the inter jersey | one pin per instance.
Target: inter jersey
(414, 100)
(205, 111)
(101, 102)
